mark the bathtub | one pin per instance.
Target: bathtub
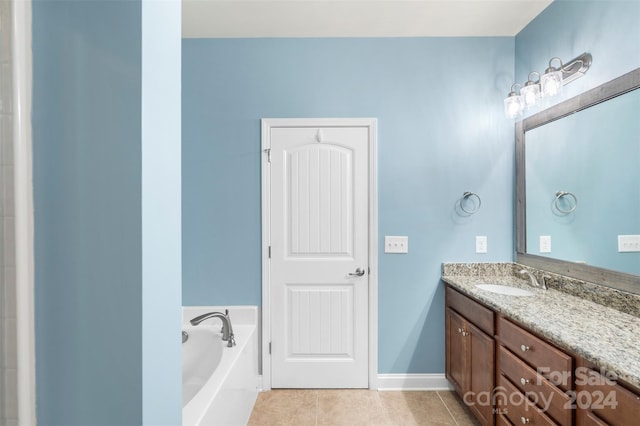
(219, 384)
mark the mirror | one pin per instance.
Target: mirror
(578, 186)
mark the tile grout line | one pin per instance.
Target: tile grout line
(447, 407)
(317, 405)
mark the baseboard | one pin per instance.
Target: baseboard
(400, 382)
(413, 382)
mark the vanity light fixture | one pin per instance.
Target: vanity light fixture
(551, 80)
(513, 103)
(548, 85)
(531, 91)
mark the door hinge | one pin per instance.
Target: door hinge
(269, 348)
(269, 252)
(268, 152)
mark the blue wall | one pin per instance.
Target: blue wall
(608, 29)
(441, 132)
(161, 219)
(93, 200)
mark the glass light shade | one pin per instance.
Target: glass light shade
(530, 94)
(551, 83)
(513, 105)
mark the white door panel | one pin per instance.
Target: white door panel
(319, 236)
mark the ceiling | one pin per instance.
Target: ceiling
(357, 18)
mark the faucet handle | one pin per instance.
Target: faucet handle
(545, 279)
(232, 341)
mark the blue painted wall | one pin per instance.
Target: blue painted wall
(161, 361)
(608, 29)
(93, 200)
(441, 132)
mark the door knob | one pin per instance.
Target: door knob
(358, 273)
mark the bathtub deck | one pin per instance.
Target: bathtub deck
(358, 407)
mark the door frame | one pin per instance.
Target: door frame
(267, 124)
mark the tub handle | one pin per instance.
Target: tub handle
(185, 336)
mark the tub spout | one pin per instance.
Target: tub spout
(227, 330)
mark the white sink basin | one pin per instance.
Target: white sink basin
(505, 289)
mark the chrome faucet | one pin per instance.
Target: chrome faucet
(532, 278)
(227, 330)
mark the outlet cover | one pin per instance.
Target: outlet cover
(545, 243)
(393, 244)
(628, 243)
(481, 243)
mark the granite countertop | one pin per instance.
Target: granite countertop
(602, 335)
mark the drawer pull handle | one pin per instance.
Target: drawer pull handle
(524, 420)
(524, 381)
(524, 349)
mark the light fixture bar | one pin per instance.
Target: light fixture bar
(547, 85)
(576, 68)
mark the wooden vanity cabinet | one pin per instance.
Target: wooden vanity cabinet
(470, 350)
(600, 400)
(533, 378)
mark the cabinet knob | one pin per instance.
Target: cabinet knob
(460, 330)
(465, 333)
(524, 381)
(524, 420)
(524, 348)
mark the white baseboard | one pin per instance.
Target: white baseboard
(413, 382)
(401, 382)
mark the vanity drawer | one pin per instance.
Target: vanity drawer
(537, 353)
(501, 420)
(552, 400)
(516, 407)
(473, 311)
(601, 399)
(590, 419)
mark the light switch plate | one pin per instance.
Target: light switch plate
(545, 243)
(393, 244)
(481, 243)
(628, 243)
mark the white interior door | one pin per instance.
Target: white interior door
(319, 242)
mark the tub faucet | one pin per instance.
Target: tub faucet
(532, 278)
(227, 330)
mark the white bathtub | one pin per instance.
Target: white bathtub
(219, 384)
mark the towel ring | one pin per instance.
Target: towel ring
(466, 196)
(562, 194)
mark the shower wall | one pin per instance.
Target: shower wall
(8, 356)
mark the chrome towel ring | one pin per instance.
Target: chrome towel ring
(466, 197)
(573, 202)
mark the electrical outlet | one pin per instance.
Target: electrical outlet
(481, 243)
(545, 243)
(628, 243)
(396, 244)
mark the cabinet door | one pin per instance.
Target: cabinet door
(457, 360)
(481, 354)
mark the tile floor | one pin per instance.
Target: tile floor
(351, 407)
